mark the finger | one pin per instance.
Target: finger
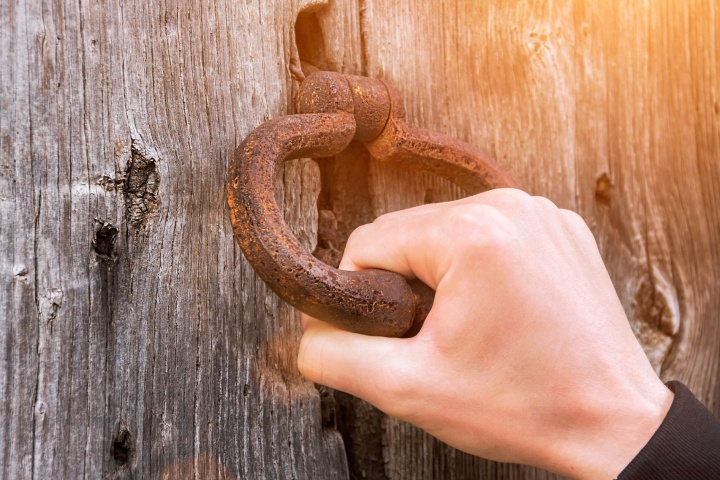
(304, 319)
(402, 246)
(499, 198)
(418, 210)
(372, 368)
(425, 209)
(424, 245)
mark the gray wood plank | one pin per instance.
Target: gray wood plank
(137, 342)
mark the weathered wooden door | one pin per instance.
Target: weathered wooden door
(137, 342)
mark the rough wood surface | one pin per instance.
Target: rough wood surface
(136, 340)
(141, 344)
(611, 109)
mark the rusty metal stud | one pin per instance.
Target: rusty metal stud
(336, 109)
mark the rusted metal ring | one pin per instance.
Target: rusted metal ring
(336, 110)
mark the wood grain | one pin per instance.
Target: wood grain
(138, 343)
(608, 108)
(159, 354)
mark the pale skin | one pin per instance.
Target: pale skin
(526, 356)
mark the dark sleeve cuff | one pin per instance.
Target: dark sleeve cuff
(685, 446)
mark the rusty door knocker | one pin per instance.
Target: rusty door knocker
(334, 110)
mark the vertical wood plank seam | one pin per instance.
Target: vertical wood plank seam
(87, 135)
(37, 193)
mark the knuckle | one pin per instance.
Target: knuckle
(468, 216)
(361, 230)
(576, 226)
(509, 199)
(356, 236)
(544, 203)
(386, 217)
(574, 220)
(570, 215)
(476, 226)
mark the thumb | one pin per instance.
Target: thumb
(372, 368)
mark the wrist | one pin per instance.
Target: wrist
(607, 432)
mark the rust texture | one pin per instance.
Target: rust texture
(335, 110)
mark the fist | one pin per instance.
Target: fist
(526, 356)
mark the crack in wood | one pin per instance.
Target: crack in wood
(141, 185)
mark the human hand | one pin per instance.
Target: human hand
(526, 356)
